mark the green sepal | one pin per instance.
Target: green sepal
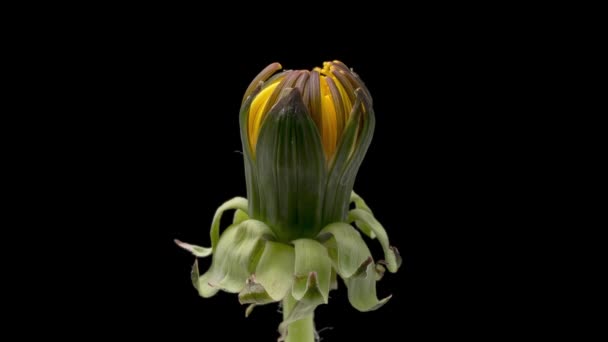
(250, 170)
(201, 284)
(351, 150)
(335, 189)
(345, 247)
(235, 203)
(360, 204)
(352, 259)
(333, 280)
(311, 261)
(249, 309)
(362, 288)
(197, 251)
(380, 271)
(195, 274)
(275, 269)
(254, 293)
(239, 216)
(290, 165)
(236, 256)
(393, 259)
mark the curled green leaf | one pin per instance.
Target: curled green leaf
(249, 310)
(311, 258)
(201, 284)
(235, 203)
(254, 293)
(197, 251)
(236, 255)
(360, 204)
(393, 259)
(346, 248)
(275, 269)
(362, 288)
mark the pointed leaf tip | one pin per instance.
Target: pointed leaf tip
(197, 251)
(390, 253)
(312, 279)
(346, 248)
(363, 268)
(382, 302)
(362, 290)
(201, 283)
(312, 269)
(398, 257)
(254, 293)
(249, 310)
(235, 203)
(290, 104)
(194, 274)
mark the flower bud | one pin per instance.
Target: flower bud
(304, 136)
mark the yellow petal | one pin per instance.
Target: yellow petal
(257, 111)
(329, 130)
(348, 105)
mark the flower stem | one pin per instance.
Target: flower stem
(302, 330)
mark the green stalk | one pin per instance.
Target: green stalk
(299, 331)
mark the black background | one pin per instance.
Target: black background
(169, 156)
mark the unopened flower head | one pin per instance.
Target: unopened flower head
(328, 94)
(305, 134)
